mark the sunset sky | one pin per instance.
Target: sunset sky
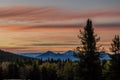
(42, 25)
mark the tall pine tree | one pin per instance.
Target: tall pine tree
(90, 67)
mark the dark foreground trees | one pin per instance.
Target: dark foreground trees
(44, 71)
(90, 66)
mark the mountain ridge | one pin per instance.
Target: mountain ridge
(62, 56)
(8, 56)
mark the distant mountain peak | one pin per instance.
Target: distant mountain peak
(70, 52)
(49, 52)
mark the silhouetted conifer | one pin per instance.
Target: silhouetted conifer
(114, 71)
(90, 68)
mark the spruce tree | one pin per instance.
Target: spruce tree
(114, 71)
(90, 67)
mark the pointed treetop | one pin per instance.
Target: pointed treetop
(89, 19)
(89, 22)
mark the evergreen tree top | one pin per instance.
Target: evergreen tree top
(89, 22)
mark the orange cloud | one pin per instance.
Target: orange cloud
(27, 27)
(37, 28)
(38, 49)
(52, 13)
(31, 13)
(53, 27)
(25, 18)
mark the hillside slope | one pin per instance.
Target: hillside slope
(8, 56)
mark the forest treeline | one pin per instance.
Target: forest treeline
(55, 70)
(89, 66)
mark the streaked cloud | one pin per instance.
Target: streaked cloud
(26, 17)
(53, 44)
(108, 25)
(52, 28)
(20, 27)
(52, 13)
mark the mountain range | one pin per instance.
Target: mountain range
(61, 56)
(7, 56)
